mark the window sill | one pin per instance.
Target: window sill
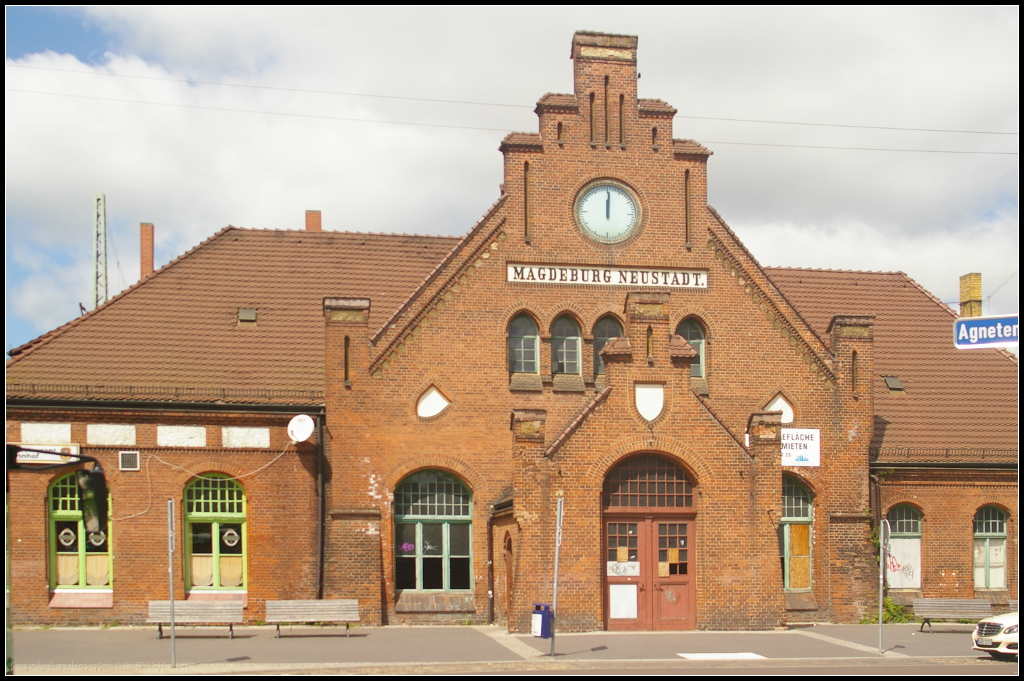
(800, 600)
(525, 382)
(230, 595)
(435, 601)
(82, 598)
(568, 383)
(700, 384)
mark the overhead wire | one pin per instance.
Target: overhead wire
(498, 104)
(468, 127)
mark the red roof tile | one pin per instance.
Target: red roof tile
(175, 334)
(690, 147)
(656, 107)
(960, 399)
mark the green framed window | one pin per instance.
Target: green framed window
(990, 548)
(694, 335)
(78, 559)
(215, 533)
(523, 340)
(605, 329)
(565, 346)
(903, 564)
(433, 533)
(795, 534)
(905, 521)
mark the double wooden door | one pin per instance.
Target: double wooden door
(649, 581)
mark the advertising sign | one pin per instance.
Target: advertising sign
(49, 454)
(801, 447)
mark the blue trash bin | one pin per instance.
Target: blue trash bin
(541, 621)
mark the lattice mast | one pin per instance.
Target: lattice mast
(100, 248)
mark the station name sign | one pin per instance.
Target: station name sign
(607, 276)
(47, 454)
(986, 332)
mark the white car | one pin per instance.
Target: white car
(998, 635)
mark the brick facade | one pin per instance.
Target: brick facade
(519, 442)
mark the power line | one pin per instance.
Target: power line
(468, 127)
(512, 106)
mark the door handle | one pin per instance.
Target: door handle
(642, 586)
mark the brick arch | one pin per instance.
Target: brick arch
(995, 504)
(607, 311)
(905, 500)
(448, 464)
(517, 308)
(688, 459)
(570, 310)
(803, 480)
(705, 318)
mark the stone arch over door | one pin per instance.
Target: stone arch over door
(648, 502)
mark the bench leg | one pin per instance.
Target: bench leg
(928, 621)
(278, 634)
(346, 629)
(159, 631)
(231, 631)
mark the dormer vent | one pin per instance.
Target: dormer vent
(895, 385)
(247, 316)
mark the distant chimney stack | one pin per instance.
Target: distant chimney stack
(313, 221)
(145, 249)
(970, 295)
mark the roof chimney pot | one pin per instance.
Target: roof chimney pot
(970, 295)
(313, 221)
(145, 249)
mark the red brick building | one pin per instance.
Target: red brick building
(724, 436)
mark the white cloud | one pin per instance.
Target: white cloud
(193, 171)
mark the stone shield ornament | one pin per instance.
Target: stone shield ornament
(650, 399)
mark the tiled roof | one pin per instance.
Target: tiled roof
(557, 101)
(521, 139)
(175, 334)
(679, 347)
(690, 147)
(656, 107)
(955, 399)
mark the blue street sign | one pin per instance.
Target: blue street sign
(985, 332)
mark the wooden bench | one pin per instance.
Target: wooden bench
(195, 612)
(330, 610)
(950, 609)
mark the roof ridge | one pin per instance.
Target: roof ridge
(30, 347)
(340, 231)
(829, 269)
(407, 303)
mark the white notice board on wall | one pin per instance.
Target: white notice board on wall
(801, 447)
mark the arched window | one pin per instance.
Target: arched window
(215, 533)
(605, 329)
(79, 559)
(433, 532)
(989, 548)
(565, 346)
(694, 334)
(522, 345)
(903, 567)
(795, 534)
(647, 481)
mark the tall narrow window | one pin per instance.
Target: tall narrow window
(605, 329)
(903, 566)
(795, 534)
(694, 335)
(526, 201)
(607, 117)
(559, 140)
(79, 559)
(565, 346)
(347, 343)
(433, 547)
(593, 134)
(654, 138)
(215, 533)
(686, 208)
(522, 345)
(989, 548)
(622, 120)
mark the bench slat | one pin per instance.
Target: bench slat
(195, 612)
(332, 610)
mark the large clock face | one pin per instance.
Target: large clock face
(607, 212)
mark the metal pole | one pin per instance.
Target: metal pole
(883, 550)
(170, 574)
(554, 589)
(100, 250)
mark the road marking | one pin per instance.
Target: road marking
(846, 644)
(523, 650)
(721, 656)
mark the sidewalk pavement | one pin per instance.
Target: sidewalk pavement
(134, 650)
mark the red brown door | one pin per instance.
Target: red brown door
(649, 582)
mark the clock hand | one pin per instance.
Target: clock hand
(608, 205)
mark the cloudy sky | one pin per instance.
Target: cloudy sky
(340, 112)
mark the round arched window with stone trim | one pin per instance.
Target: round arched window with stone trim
(647, 481)
(215, 541)
(693, 332)
(523, 341)
(565, 346)
(433, 533)
(606, 328)
(990, 548)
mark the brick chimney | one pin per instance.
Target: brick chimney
(970, 295)
(145, 249)
(313, 221)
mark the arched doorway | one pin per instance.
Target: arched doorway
(648, 545)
